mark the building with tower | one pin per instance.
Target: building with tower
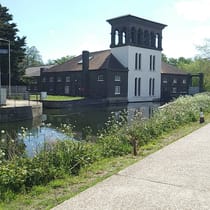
(131, 71)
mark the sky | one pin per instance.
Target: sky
(67, 27)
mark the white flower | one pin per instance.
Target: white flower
(2, 131)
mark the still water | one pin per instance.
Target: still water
(44, 129)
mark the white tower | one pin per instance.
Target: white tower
(137, 44)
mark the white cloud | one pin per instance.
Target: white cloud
(193, 9)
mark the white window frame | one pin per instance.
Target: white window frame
(117, 78)
(117, 90)
(100, 78)
(68, 78)
(175, 81)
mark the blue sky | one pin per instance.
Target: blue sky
(66, 27)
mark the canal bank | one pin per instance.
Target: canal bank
(19, 110)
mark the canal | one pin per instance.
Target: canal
(34, 133)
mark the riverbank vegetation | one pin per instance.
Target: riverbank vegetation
(79, 164)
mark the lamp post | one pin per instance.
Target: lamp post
(9, 63)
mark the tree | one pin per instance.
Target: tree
(8, 31)
(204, 50)
(60, 60)
(32, 58)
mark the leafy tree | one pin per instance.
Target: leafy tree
(60, 60)
(8, 31)
(164, 58)
(32, 58)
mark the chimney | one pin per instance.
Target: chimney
(85, 60)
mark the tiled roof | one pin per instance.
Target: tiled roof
(35, 71)
(98, 60)
(170, 69)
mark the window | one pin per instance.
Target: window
(135, 88)
(184, 81)
(117, 90)
(165, 81)
(150, 62)
(59, 79)
(153, 65)
(151, 87)
(117, 78)
(44, 79)
(174, 81)
(138, 61)
(139, 86)
(174, 90)
(67, 78)
(67, 89)
(100, 78)
(51, 79)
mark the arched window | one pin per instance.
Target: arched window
(124, 36)
(140, 37)
(146, 38)
(135, 88)
(153, 40)
(157, 41)
(116, 37)
(133, 35)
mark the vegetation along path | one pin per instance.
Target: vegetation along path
(175, 177)
(65, 168)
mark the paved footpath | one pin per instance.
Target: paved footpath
(175, 177)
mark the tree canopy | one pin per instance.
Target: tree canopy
(32, 58)
(8, 34)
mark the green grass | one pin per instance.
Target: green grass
(45, 197)
(56, 98)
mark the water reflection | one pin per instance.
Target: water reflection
(93, 117)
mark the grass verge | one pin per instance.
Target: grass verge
(45, 197)
(56, 98)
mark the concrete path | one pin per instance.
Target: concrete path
(175, 177)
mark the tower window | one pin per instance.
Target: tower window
(116, 37)
(133, 35)
(146, 38)
(123, 37)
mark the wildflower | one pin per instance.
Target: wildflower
(2, 131)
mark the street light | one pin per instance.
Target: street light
(9, 62)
